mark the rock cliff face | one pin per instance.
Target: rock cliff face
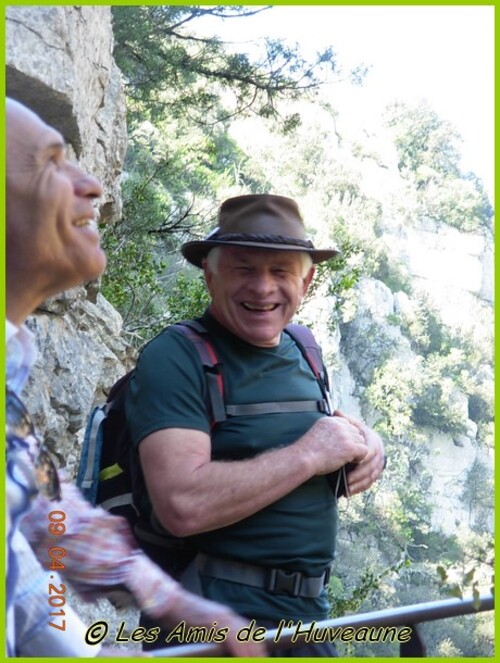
(77, 89)
(454, 271)
(59, 63)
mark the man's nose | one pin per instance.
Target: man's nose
(263, 281)
(86, 186)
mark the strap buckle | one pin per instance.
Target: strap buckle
(284, 582)
(328, 575)
(324, 407)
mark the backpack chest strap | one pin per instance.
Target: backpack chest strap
(276, 408)
(219, 410)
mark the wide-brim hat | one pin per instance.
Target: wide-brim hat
(260, 221)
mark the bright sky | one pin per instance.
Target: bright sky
(442, 53)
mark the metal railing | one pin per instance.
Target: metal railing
(406, 616)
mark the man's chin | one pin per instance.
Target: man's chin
(260, 338)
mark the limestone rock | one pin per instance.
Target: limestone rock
(80, 355)
(373, 333)
(448, 465)
(60, 63)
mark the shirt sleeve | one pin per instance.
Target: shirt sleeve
(33, 634)
(100, 553)
(168, 388)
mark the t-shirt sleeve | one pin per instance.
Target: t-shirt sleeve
(168, 388)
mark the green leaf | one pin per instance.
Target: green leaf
(442, 573)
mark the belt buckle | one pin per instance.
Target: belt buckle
(284, 582)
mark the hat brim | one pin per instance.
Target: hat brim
(196, 251)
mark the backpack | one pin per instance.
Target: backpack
(109, 472)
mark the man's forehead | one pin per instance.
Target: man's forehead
(45, 138)
(249, 254)
(29, 129)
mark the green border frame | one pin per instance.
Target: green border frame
(177, 2)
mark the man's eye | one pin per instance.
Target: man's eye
(55, 161)
(57, 157)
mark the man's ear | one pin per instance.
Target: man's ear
(207, 272)
(306, 281)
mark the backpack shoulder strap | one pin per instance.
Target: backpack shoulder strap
(118, 392)
(304, 338)
(199, 335)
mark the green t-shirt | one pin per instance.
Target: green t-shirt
(295, 533)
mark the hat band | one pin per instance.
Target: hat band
(262, 239)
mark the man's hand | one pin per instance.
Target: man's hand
(197, 611)
(331, 443)
(370, 468)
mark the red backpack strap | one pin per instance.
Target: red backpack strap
(198, 334)
(311, 351)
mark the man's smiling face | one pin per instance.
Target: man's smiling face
(255, 292)
(52, 240)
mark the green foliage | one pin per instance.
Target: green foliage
(435, 404)
(394, 274)
(429, 158)
(461, 203)
(474, 573)
(480, 407)
(170, 69)
(188, 298)
(427, 146)
(358, 592)
(370, 580)
(456, 589)
(392, 396)
(478, 492)
(422, 395)
(132, 291)
(435, 547)
(423, 326)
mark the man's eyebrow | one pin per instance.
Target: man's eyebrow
(56, 145)
(51, 147)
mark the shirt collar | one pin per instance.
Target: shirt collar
(21, 355)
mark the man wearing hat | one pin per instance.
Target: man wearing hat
(251, 493)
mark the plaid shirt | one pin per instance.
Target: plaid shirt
(101, 553)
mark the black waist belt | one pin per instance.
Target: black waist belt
(276, 581)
